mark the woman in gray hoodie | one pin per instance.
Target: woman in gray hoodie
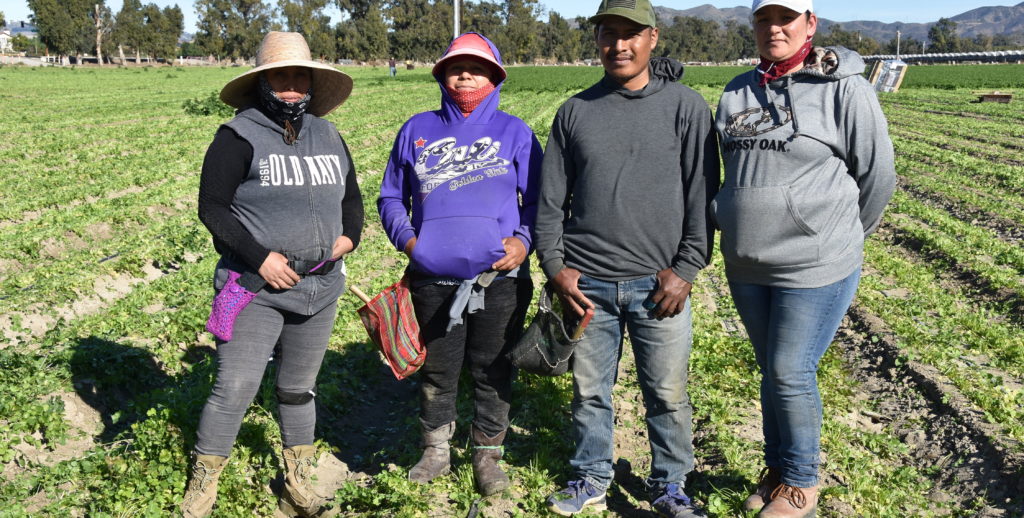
(808, 171)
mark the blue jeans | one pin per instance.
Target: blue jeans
(790, 329)
(662, 351)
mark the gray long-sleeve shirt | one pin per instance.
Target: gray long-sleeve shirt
(627, 179)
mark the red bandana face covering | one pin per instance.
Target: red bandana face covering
(772, 70)
(468, 100)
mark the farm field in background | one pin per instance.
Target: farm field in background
(105, 283)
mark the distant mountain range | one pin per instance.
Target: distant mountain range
(983, 20)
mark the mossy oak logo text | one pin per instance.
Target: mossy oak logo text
(291, 170)
(441, 161)
(753, 122)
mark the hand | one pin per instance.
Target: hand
(277, 273)
(670, 295)
(409, 245)
(515, 253)
(342, 246)
(566, 286)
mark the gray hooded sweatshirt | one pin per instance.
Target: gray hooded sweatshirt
(808, 171)
(626, 180)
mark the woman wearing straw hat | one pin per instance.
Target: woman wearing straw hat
(278, 193)
(808, 171)
(461, 172)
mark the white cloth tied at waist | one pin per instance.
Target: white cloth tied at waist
(469, 296)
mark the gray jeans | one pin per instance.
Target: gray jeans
(240, 366)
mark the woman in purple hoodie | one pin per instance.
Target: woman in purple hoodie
(459, 198)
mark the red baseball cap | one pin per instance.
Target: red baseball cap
(471, 44)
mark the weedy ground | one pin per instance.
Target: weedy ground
(105, 284)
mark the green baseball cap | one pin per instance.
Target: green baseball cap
(639, 11)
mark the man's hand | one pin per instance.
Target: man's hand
(277, 273)
(565, 285)
(515, 253)
(342, 246)
(670, 296)
(409, 245)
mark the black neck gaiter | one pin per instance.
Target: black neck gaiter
(280, 111)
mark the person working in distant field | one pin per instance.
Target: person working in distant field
(630, 166)
(392, 67)
(808, 171)
(468, 175)
(278, 193)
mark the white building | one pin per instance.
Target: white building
(5, 41)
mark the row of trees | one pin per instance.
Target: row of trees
(419, 29)
(409, 29)
(76, 27)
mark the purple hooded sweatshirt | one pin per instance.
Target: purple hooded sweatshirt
(462, 179)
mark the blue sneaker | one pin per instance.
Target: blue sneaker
(574, 498)
(673, 503)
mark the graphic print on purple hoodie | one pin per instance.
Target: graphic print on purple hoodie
(462, 179)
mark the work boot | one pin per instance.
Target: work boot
(202, 486)
(786, 501)
(437, 454)
(769, 479)
(298, 499)
(490, 479)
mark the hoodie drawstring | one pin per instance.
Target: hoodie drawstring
(792, 107)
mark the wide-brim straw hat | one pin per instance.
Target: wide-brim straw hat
(289, 49)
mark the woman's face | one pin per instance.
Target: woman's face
(780, 31)
(290, 83)
(466, 74)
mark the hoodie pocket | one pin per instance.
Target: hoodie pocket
(762, 226)
(458, 246)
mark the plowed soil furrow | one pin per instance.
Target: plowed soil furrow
(958, 273)
(1007, 230)
(994, 156)
(998, 181)
(1001, 199)
(942, 428)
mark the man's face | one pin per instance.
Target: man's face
(625, 48)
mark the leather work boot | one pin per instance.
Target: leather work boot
(769, 479)
(298, 499)
(787, 501)
(437, 456)
(202, 486)
(490, 479)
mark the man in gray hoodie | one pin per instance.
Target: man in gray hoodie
(630, 167)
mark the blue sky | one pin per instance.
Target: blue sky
(837, 10)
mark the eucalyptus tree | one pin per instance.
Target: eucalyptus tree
(233, 28)
(308, 18)
(64, 26)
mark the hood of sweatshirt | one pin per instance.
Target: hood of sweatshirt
(663, 71)
(829, 64)
(484, 112)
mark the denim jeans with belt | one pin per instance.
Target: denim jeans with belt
(790, 329)
(662, 351)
